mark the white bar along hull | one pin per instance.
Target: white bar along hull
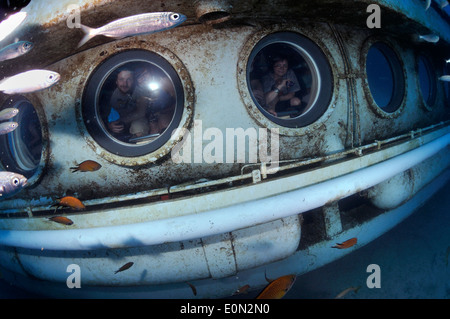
(355, 171)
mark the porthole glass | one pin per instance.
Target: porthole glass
(427, 79)
(289, 79)
(446, 71)
(385, 77)
(21, 148)
(132, 103)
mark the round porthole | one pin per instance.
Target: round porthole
(385, 77)
(427, 80)
(289, 79)
(132, 103)
(21, 149)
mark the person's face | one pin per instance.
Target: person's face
(280, 68)
(124, 81)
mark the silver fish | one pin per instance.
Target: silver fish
(9, 25)
(134, 25)
(445, 78)
(427, 4)
(7, 127)
(15, 50)
(433, 38)
(8, 113)
(11, 183)
(447, 61)
(29, 81)
(444, 4)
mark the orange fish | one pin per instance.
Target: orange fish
(124, 267)
(194, 290)
(61, 220)
(346, 244)
(86, 166)
(70, 201)
(277, 288)
(242, 290)
(346, 291)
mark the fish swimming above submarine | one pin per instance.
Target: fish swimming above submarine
(29, 81)
(432, 38)
(8, 113)
(134, 25)
(8, 127)
(11, 23)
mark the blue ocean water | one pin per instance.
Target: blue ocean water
(413, 259)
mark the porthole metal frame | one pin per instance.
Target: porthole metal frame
(273, 35)
(92, 92)
(398, 102)
(34, 175)
(431, 72)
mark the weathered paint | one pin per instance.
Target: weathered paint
(300, 262)
(211, 60)
(215, 91)
(225, 219)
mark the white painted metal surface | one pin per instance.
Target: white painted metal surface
(222, 220)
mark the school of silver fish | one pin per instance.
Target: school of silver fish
(37, 79)
(432, 38)
(8, 127)
(134, 25)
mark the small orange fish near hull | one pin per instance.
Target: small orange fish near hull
(242, 290)
(124, 267)
(61, 220)
(277, 288)
(346, 291)
(346, 244)
(70, 201)
(86, 166)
